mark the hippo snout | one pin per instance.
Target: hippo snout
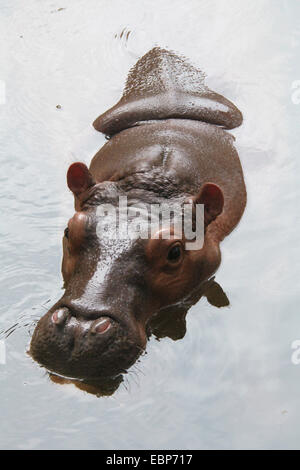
(93, 345)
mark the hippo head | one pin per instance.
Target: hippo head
(114, 287)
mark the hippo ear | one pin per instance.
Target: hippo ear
(212, 197)
(79, 178)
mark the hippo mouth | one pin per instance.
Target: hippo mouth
(83, 347)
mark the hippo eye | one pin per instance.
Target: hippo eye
(174, 253)
(66, 232)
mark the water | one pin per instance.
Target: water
(230, 382)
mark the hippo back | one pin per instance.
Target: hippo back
(164, 86)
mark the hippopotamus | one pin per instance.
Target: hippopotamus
(168, 140)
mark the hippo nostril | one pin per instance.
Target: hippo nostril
(60, 315)
(102, 325)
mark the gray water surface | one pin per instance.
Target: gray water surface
(230, 383)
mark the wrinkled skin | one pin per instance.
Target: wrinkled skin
(117, 292)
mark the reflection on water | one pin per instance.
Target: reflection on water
(229, 382)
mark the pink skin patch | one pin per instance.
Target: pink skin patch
(60, 315)
(102, 325)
